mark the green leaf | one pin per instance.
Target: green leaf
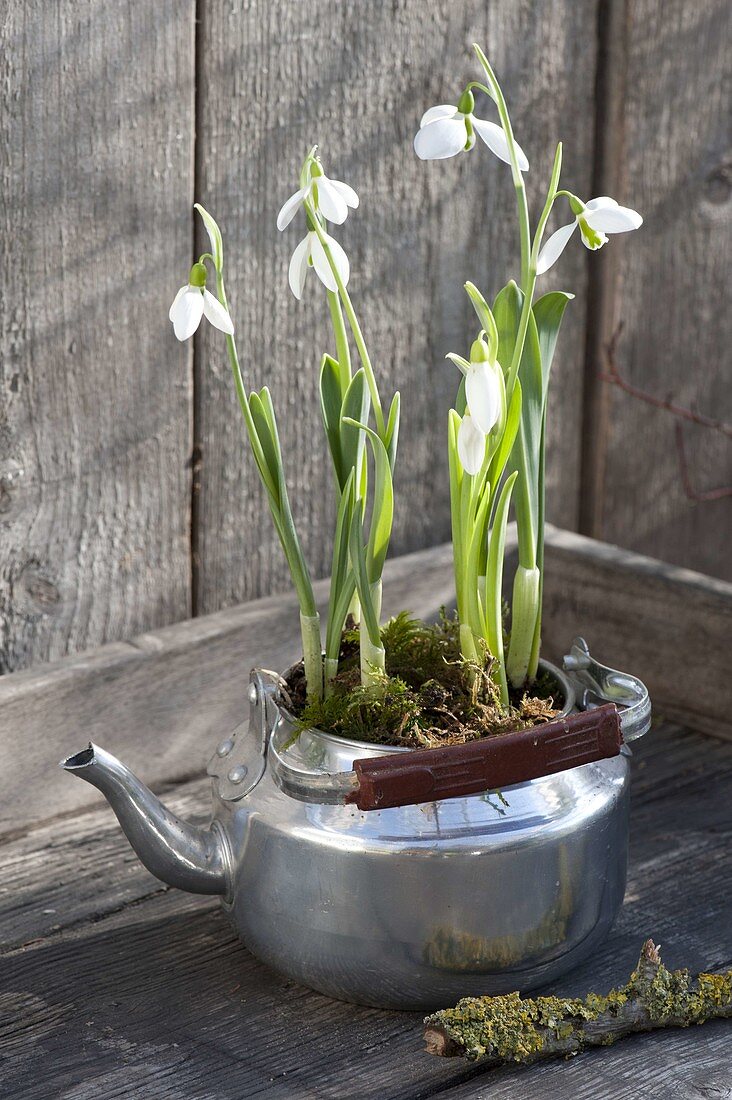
(269, 447)
(355, 407)
(510, 430)
(461, 401)
(382, 513)
(494, 582)
(456, 476)
(358, 561)
(506, 311)
(526, 451)
(486, 318)
(342, 581)
(214, 235)
(392, 429)
(475, 557)
(330, 406)
(548, 313)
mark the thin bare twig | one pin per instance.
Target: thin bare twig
(692, 493)
(612, 374)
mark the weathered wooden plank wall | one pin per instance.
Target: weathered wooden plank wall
(669, 94)
(355, 78)
(96, 171)
(113, 116)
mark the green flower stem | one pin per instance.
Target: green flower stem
(495, 93)
(524, 611)
(355, 327)
(354, 608)
(343, 353)
(312, 654)
(372, 656)
(523, 656)
(330, 673)
(468, 647)
(309, 618)
(536, 643)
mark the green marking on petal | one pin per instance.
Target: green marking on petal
(590, 237)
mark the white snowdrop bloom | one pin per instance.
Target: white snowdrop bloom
(483, 394)
(331, 198)
(310, 252)
(192, 302)
(470, 444)
(447, 129)
(595, 220)
(483, 385)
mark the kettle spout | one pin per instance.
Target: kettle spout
(179, 854)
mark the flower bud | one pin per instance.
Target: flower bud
(479, 351)
(197, 276)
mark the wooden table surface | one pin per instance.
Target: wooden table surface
(112, 985)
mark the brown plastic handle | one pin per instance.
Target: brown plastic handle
(487, 765)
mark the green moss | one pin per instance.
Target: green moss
(429, 696)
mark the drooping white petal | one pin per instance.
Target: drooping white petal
(606, 216)
(441, 139)
(322, 266)
(601, 200)
(470, 444)
(331, 203)
(442, 110)
(495, 139)
(290, 208)
(299, 266)
(179, 295)
(347, 192)
(215, 313)
(554, 247)
(341, 260)
(483, 395)
(186, 316)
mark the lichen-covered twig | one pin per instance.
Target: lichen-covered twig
(507, 1029)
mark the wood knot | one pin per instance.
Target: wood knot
(34, 591)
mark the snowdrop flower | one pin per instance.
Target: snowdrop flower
(192, 302)
(595, 220)
(311, 253)
(470, 445)
(446, 130)
(331, 198)
(483, 385)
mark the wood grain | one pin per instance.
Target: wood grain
(95, 393)
(162, 701)
(356, 78)
(677, 172)
(129, 989)
(667, 625)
